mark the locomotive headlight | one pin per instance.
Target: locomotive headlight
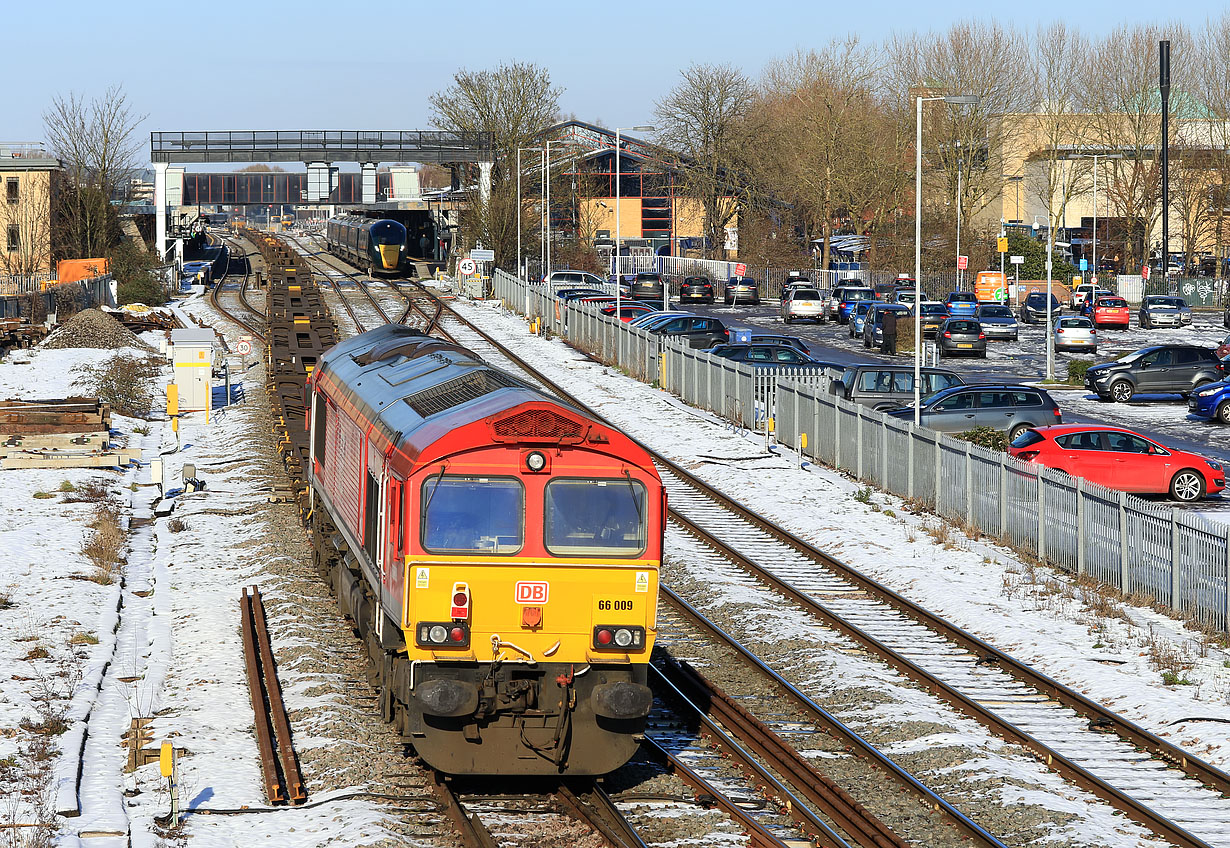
(623, 637)
(438, 633)
(535, 461)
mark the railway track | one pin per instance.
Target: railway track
(1174, 794)
(252, 325)
(279, 763)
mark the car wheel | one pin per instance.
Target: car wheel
(1122, 391)
(1223, 412)
(787, 319)
(982, 354)
(1145, 325)
(1187, 486)
(1016, 431)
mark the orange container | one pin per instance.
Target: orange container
(72, 270)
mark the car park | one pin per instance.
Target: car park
(998, 322)
(1120, 459)
(847, 297)
(742, 290)
(801, 303)
(934, 313)
(1010, 408)
(858, 317)
(1033, 308)
(1158, 310)
(1076, 333)
(961, 337)
(768, 354)
(873, 325)
(698, 330)
(884, 387)
(696, 289)
(1109, 311)
(962, 304)
(648, 286)
(1158, 369)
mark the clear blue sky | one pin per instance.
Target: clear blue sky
(336, 65)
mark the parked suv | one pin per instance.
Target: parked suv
(699, 330)
(884, 387)
(847, 297)
(742, 290)
(1166, 369)
(1034, 307)
(648, 286)
(1159, 310)
(696, 289)
(575, 279)
(1010, 408)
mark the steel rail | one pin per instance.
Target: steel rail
(1100, 716)
(474, 833)
(593, 806)
(275, 789)
(292, 778)
(216, 302)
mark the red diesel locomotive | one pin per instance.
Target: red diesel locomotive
(496, 548)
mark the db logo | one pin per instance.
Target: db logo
(532, 592)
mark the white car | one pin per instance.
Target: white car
(802, 303)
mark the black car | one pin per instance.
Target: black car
(774, 338)
(698, 289)
(768, 354)
(700, 331)
(1034, 308)
(1158, 369)
(648, 286)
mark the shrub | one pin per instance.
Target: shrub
(177, 525)
(1076, 371)
(123, 381)
(986, 437)
(43, 495)
(105, 546)
(94, 490)
(67, 486)
(905, 337)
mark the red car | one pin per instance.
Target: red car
(1223, 349)
(1110, 312)
(627, 310)
(1120, 459)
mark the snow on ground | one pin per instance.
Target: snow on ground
(1109, 651)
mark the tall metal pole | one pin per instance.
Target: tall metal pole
(542, 224)
(918, 262)
(1050, 328)
(520, 276)
(1095, 220)
(959, 275)
(1164, 85)
(548, 210)
(618, 192)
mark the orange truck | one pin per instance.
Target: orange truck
(991, 287)
(72, 270)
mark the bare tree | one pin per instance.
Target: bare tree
(516, 103)
(98, 143)
(703, 122)
(1211, 84)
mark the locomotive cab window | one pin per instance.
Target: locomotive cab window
(595, 517)
(478, 515)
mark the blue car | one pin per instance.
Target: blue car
(1211, 401)
(962, 304)
(858, 317)
(848, 297)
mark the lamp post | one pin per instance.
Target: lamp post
(956, 99)
(1095, 157)
(547, 208)
(959, 174)
(618, 193)
(520, 273)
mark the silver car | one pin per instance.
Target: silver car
(997, 321)
(1076, 333)
(799, 303)
(1159, 310)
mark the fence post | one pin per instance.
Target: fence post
(969, 486)
(1125, 582)
(1041, 516)
(1225, 583)
(1174, 561)
(909, 458)
(858, 443)
(1081, 533)
(939, 474)
(836, 432)
(883, 451)
(1003, 496)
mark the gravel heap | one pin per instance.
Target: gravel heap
(93, 328)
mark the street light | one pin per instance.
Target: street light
(618, 192)
(520, 274)
(956, 100)
(1095, 157)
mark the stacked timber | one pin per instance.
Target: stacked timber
(59, 433)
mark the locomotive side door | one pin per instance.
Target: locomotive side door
(393, 548)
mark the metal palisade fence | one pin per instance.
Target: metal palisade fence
(1180, 559)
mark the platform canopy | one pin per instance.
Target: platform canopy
(424, 146)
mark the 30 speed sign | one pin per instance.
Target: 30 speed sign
(244, 347)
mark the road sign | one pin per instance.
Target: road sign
(962, 263)
(740, 269)
(1084, 264)
(467, 267)
(244, 347)
(1017, 260)
(1002, 243)
(1144, 273)
(480, 255)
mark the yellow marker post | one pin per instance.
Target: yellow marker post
(802, 441)
(166, 765)
(166, 759)
(173, 406)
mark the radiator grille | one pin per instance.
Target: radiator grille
(458, 391)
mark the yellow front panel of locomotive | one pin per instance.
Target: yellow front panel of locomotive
(574, 598)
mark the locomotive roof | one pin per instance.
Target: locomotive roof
(401, 380)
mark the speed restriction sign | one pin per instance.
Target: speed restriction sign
(467, 267)
(244, 347)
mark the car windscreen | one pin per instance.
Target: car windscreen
(1136, 354)
(995, 312)
(1027, 438)
(1076, 323)
(595, 517)
(858, 294)
(1172, 302)
(962, 297)
(806, 294)
(962, 327)
(934, 309)
(473, 514)
(1112, 302)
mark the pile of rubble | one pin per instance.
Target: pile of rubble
(93, 328)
